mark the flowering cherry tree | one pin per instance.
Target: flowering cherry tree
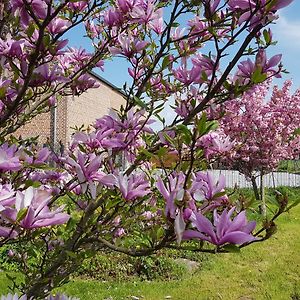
(106, 192)
(263, 132)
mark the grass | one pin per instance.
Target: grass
(269, 270)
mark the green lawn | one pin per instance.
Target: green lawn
(270, 270)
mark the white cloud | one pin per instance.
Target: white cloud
(287, 32)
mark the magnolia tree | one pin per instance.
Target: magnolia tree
(112, 189)
(262, 132)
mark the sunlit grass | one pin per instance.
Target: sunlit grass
(270, 270)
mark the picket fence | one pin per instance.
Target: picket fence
(274, 179)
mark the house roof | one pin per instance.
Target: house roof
(106, 82)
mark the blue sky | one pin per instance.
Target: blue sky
(286, 32)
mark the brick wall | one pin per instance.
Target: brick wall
(39, 126)
(91, 105)
(73, 111)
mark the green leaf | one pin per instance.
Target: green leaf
(296, 131)
(30, 29)
(201, 124)
(139, 102)
(21, 214)
(165, 62)
(162, 151)
(146, 152)
(168, 139)
(174, 24)
(204, 76)
(2, 92)
(218, 195)
(187, 135)
(47, 40)
(267, 37)
(160, 233)
(258, 76)
(32, 183)
(212, 125)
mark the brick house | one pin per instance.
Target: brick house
(55, 126)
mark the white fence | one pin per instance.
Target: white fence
(275, 179)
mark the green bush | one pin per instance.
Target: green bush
(118, 267)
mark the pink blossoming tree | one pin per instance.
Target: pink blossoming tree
(263, 132)
(105, 192)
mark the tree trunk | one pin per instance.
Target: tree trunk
(255, 188)
(262, 207)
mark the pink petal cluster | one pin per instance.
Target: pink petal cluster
(27, 209)
(223, 230)
(261, 130)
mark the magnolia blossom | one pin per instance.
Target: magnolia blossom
(13, 297)
(214, 143)
(171, 192)
(128, 46)
(58, 25)
(11, 48)
(206, 187)
(87, 169)
(9, 160)
(223, 230)
(247, 68)
(133, 186)
(34, 203)
(29, 208)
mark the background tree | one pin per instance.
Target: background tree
(263, 132)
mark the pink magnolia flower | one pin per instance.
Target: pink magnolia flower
(46, 73)
(206, 187)
(8, 232)
(128, 45)
(213, 5)
(113, 17)
(133, 186)
(264, 65)
(13, 297)
(101, 138)
(119, 232)
(171, 192)
(197, 25)
(7, 196)
(11, 48)
(58, 25)
(125, 134)
(223, 230)
(83, 83)
(251, 4)
(39, 8)
(9, 159)
(208, 190)
(34, 203)
(126, 5)
(87, 169)
(214, 143)
(205, 64)
(187, 76)
(78, 5)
